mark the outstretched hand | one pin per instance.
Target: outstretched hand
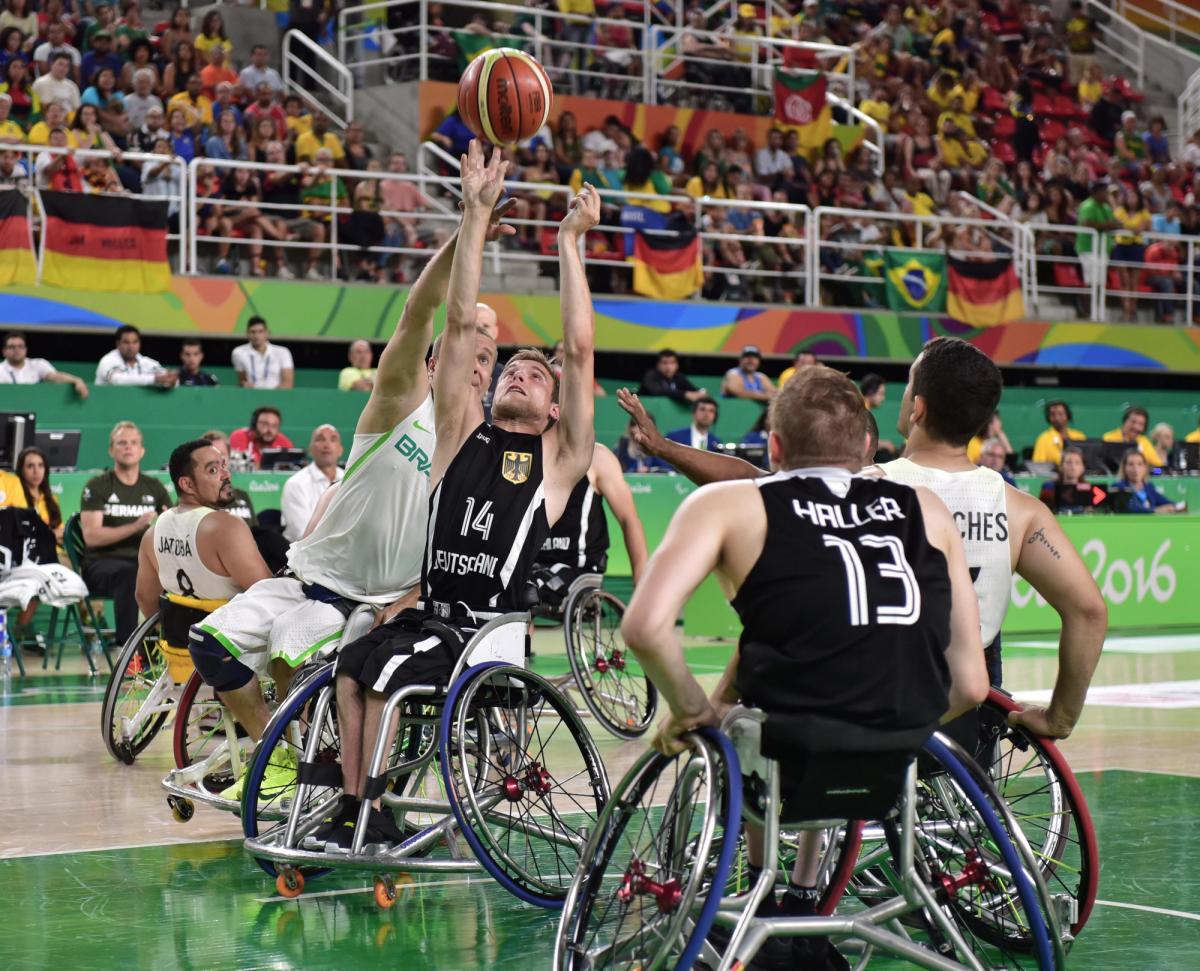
(482, 183)
(583, 212)
(644, 432)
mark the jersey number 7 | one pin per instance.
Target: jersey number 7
(897, 568)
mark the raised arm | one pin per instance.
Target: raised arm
(574, 436)
(457, 406)
(611, 484)
(698, 464)
(1048, 560)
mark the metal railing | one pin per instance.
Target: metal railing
(1178, 23)
(305, 79)
(175, 201)
(1189, 111)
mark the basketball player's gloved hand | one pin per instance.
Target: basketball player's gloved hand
(1041, 721)
(667, 737)
(482, 183)
(644, 432)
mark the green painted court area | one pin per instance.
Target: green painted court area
(95, 874)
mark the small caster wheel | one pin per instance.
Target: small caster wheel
(182, 809)
(289, 883)
(125, 754)
(385, 892)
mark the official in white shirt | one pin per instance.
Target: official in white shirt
(126, 365)
(303, 491)
(699, 433)
(261, 364)
(19, 369)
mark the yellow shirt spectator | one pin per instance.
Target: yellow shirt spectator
(962, 121)
(1144, 445)
(785, 26)
(298, 124)
(970, 97)
(881, 111)
(695, 188)
(11, 493)
(204, 44)
(944, 36)
(1090, 91)
(587, 7)
(307, 145)
(10, 130)
(1049, 444)
(921, 202)
(349, 375)
(198, 112)
(1193, 437)
(1136, 223)
(39, 134)
(921, 21)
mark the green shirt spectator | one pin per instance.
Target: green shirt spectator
(1096, 212)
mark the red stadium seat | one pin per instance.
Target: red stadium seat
(1053, 130)
(1006, 127)
(1065, 107)
(1068, 275)
(1043, 105)
(1004, 151)
(993, 100)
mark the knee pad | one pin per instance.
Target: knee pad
(218, 668)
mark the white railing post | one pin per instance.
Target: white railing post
(193, 222)
(423, 21)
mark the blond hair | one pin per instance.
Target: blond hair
(123, 426)
(820, 418)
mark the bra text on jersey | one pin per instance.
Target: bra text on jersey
(414, 453)
(982, 527)
(884, 509)
(461, 564)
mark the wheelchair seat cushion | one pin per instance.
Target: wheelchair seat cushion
(414, 647)
(176, 621)
(834, 769)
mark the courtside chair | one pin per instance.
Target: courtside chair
(87, 622)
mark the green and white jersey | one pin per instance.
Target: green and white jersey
(368, 545)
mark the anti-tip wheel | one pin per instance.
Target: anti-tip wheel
(182, 809)
(289, 883)
(385, 892)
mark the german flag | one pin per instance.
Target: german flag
(984, 293)
(667, 266)
(105, 242)
(16, 240)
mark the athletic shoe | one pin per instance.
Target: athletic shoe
(382, 828)
(775, 953)
(283, 273)
(279, 780)
(810, 953)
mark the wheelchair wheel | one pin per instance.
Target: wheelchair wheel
(973, 856)
(1033, 778)
(523, 776)
(199, 730)
(649, 883)
(309, 704)
(139, 697)
(613, 685)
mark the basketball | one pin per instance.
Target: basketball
(504, 96)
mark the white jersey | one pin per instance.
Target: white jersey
(369, 543)
(978, 504)
(180, 569)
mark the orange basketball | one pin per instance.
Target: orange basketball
(504, 96)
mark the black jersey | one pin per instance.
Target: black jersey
(847, 611)
(580, 537)
(487, 520)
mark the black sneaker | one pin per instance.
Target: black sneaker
(382, 828)
(775, 953)
(817, 954)
(343, 815)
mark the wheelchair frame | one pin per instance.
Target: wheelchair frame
(877, 927)
(497, 650)
(186, 785)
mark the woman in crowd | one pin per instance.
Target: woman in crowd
(12, 48)
(33, 471)
(568, 147)
(183, 65)
(1143, 496)
(179, 31)
(1130, 249)
(1069, 492)
(141, 55)
(183, 141)
(227, 142)
(212, 34)
(358, 152)
(18, 85)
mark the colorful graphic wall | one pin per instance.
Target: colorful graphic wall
(341, 312)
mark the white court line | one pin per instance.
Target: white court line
(1182, 914)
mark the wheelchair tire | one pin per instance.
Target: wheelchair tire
(139, 669)
(302, 696)
(199, 726)
(708, 776)
(621, 697)
(1052, 813)
(499, 764)
(1009, 875)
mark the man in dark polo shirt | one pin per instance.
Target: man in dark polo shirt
(118, 506)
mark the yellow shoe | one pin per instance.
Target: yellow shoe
(234, 792)
(279, 780)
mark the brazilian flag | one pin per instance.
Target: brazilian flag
(915, 280)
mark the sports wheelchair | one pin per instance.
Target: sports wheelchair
(148, 681)
(658, 872)
(604, 672)
(499, 757)
(1037, 785)
(211, 749)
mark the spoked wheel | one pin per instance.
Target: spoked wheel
(275, 778)
(1039, 787)
(140, 695)
(972, 854)
(613, 685)
(200, 730)
(645, 896)
(525, 781)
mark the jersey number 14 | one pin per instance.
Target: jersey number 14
(897, 569)
(480, 522)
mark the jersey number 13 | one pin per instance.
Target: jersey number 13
(896, 568)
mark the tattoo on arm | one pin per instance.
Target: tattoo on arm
(1039, 536)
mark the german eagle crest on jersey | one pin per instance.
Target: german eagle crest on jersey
(516, 466)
